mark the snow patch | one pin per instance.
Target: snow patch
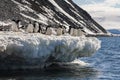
(29, 17)
(42, 17)
(88, 31)
(23, 7)
(26, 2)
(81, 63)
(74, 9)
(61, 10)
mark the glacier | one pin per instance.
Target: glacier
(38, 49)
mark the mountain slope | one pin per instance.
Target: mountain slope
(64, 12)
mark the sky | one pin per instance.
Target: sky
(105, 12)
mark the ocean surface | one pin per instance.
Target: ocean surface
(103, 65)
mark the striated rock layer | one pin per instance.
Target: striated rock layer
(49, 12)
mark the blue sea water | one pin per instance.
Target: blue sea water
(107, 60)
(103, 65)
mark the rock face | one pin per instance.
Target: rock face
(64, 12)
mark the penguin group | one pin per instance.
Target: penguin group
(36, 27)
(78, 31)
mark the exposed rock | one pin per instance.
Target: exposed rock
(66, 13)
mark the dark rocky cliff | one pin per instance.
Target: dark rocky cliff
(64, 12)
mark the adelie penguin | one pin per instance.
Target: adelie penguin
(36, 27)
(59, 31)
(71, 30)
(48, 31)
(76, 31)
(30, 28)
(14, 26)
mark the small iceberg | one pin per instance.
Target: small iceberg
(35, 50)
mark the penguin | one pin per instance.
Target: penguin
(75, 32)
(71, 31)
(19, 23)
(64, 30)
(59, 31)
(80, 32)
(14, 26)
(36, 27)
(40, 29)
(48, 31)
(30, 28)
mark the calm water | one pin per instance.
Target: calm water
(104, 65)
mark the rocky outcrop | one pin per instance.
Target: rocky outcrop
(49, 12)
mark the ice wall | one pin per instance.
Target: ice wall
(38, 48)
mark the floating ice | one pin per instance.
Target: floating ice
(38, 48)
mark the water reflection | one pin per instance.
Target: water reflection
(54, 72)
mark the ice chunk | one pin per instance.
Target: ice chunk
(38, 48)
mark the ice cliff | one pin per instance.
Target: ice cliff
(37, 49)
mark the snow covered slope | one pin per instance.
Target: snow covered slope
(47, 12)
(19, 49)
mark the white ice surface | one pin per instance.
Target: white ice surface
(42, 47)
